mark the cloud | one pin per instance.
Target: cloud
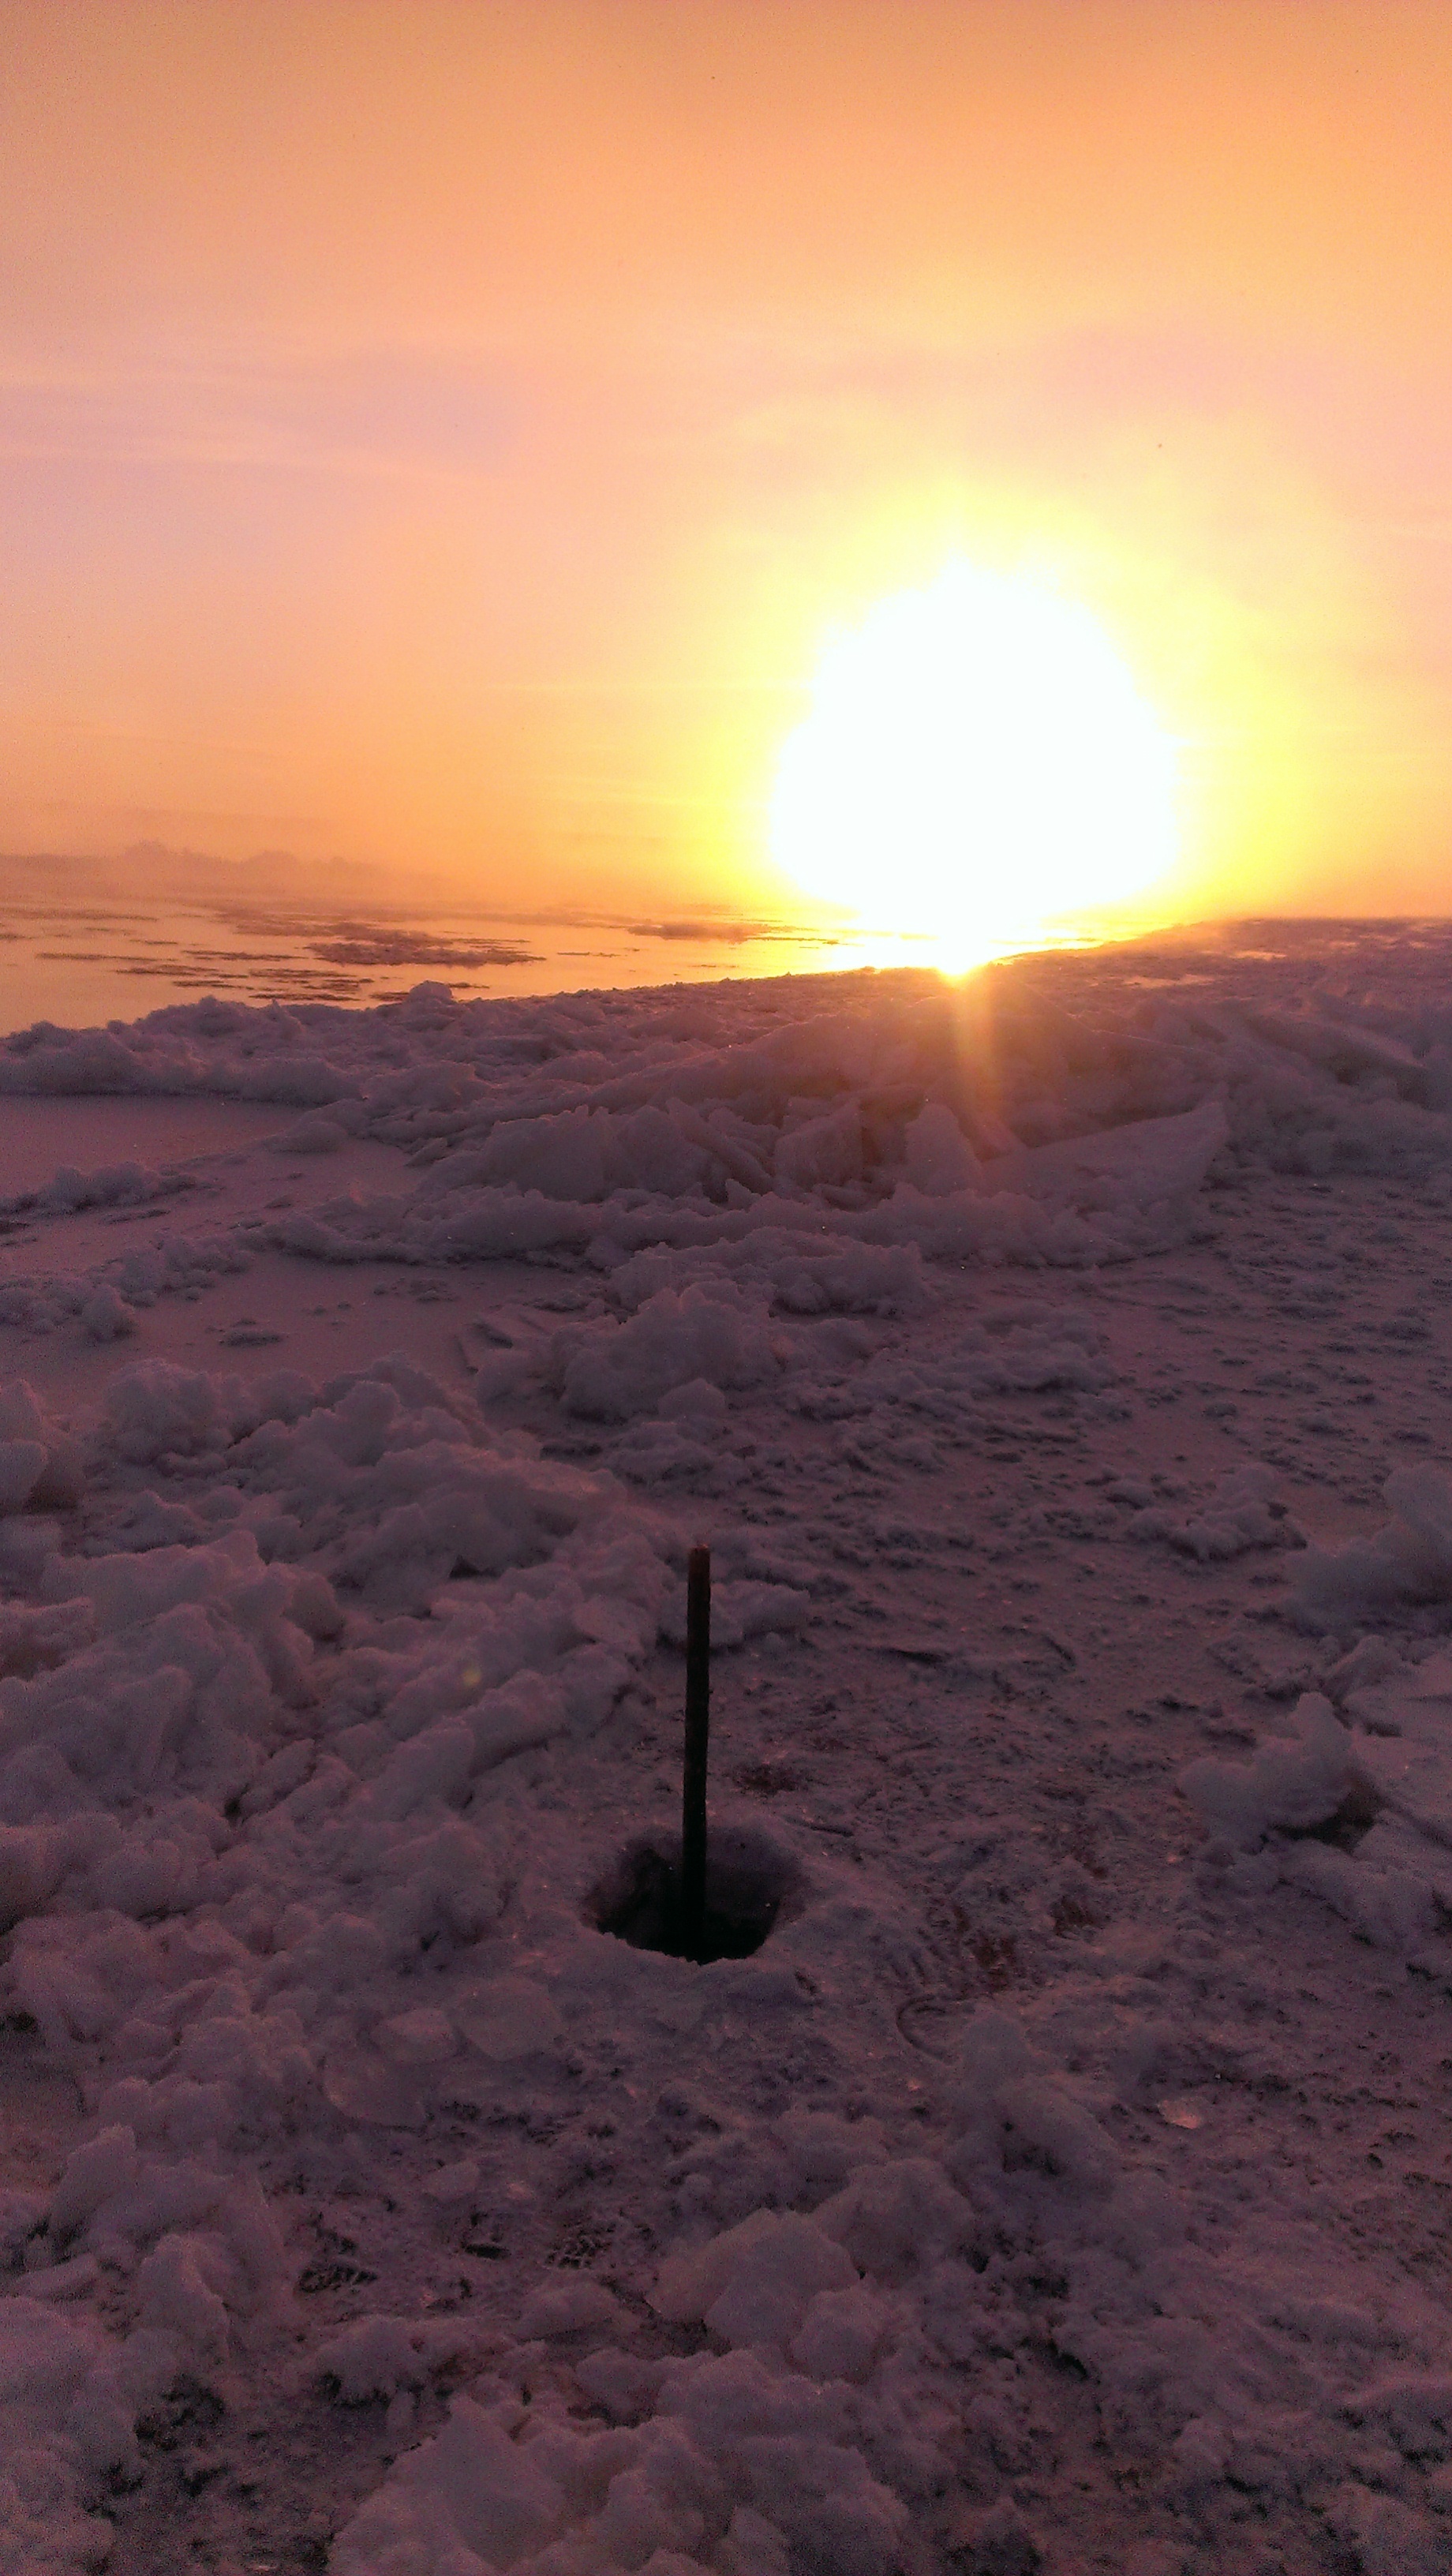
(369, 411)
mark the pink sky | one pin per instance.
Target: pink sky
(445, 435)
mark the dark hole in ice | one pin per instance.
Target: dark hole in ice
(749, 1881)
(1349, 1825)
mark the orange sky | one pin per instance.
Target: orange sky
(445, 434)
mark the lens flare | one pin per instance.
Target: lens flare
(977, 764)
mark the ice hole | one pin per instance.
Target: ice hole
(1351, 1822)
(750, 1883)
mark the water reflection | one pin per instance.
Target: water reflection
(83, 963)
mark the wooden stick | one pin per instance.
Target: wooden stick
(698, 1730)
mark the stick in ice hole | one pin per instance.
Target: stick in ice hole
(698, 1728)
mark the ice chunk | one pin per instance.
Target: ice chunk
(55, 1479)
(1014, 2116)
(423, 2037)
(1395, 1909)
(803, 1273)
(895, 2217)
(34, 1859)
(1370, 1662)
(106, 1316)
(314, 1134)
(1408, 1560)
(471, 2490)
(1147, 1160)
(48, 2365)
(506, 2018)
(453, 2184)
(940, 1159)
(753, 2285)
(697, 1403)
(35, 1639)
(740, 1611)
(181, 2288)
(841, 2333)
(1294, 1783)
(22, 1463)
(376, 2356)
(432, 1765)
(1241, 1513)
(709, 1331)
(754, 2547)
(824, 2150)
(788, 2452)
(156, 1407)
(823, 1150)
(94, 2173)
(1414, 2407)
(301, 1081)
(566, 2307)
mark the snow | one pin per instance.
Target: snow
(705, 1334)
(1294, 1784)
(1408, 1560)
(1056, 1368)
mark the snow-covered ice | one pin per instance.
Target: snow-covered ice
(1059, 1368)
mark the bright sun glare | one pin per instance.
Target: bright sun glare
(977, 763)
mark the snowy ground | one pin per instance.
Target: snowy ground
(1060, 1373)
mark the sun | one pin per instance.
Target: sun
(977, 763)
